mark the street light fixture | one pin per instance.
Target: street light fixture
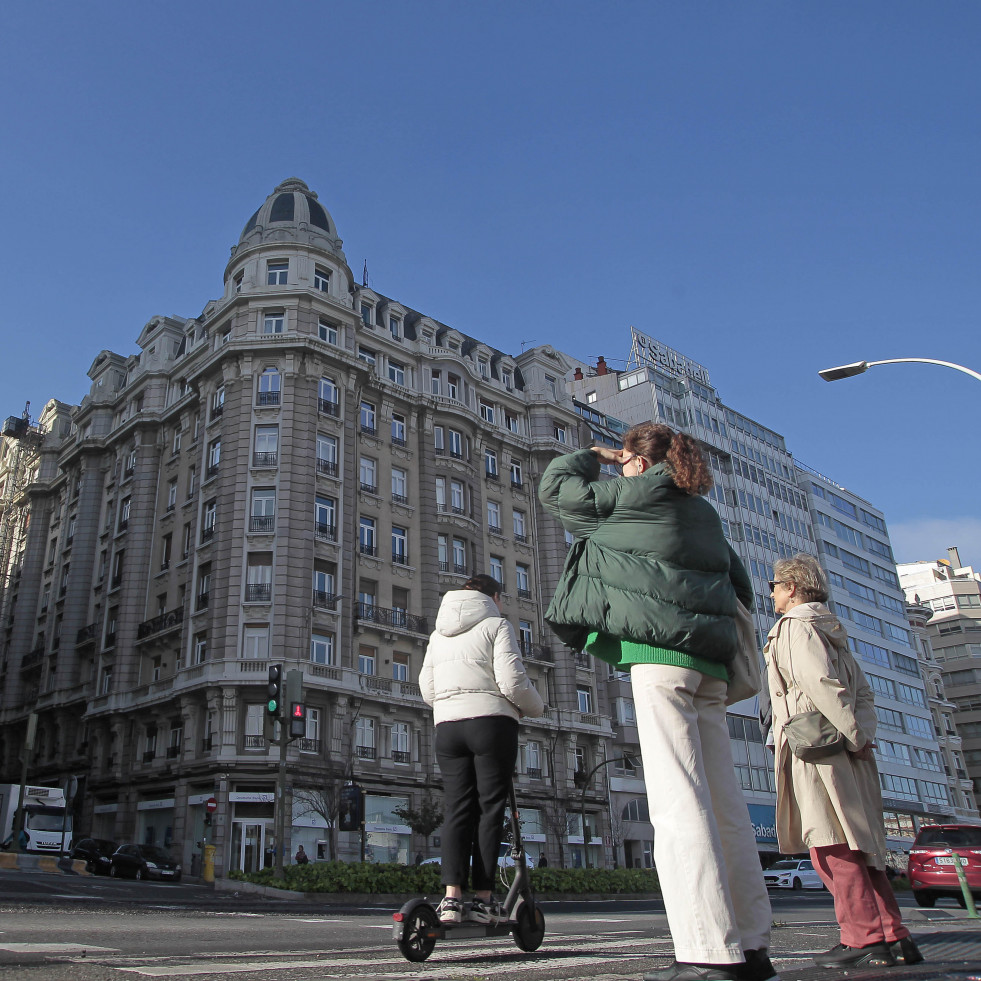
(858, 367)
(581, 779)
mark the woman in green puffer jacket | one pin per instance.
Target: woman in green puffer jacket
(651, 585)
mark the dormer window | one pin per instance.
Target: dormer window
(321, 279)
(483, 367)
(507, 377)
(367, 314)
(237, 282)
(395, 326)
(277, 272)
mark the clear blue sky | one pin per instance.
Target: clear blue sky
(771, 188)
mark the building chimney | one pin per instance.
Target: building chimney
(954, 556)
(601, 368)
(577, 374)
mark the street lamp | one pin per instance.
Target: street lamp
(858, 367)
(581, 780)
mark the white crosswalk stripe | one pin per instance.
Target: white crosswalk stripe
(43, 948)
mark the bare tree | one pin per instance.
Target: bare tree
(423, 821)
(618, 834)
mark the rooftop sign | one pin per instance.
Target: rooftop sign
(646, 351)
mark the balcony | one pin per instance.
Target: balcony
(365, 549)
(537, 652)
(212, 471)
(258, 592)
(391, 618)
(265, 458)
(86, 635)
(398, 441)
(268, 398)
(533, 772)
(400, 756)
(327, 467)
(217, 410)
(207, 533)
(255, 742)
(128, 472)
(206, 744)
(165, 621)
(368, 430)
(399, 498)
(110, 639)
(492, 475)
(262, 524)
(324, 601)
(115, 583)
(33, 659)
(328, 408)
(149, 756)
(517, 484)
(521, 539)
(173, 752)
(523, 593)
(495, 530)
(326, 533)
(307, 745)
(202, 602)
(400, 558)
(369, 488)
(123, 524)
(364, 752)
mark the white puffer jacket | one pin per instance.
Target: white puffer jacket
(473, 665)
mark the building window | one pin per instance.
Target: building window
(560, 433)
(367, 469)
(494, 517)
(364, 738)
(497, 569)
(325, 517)
(255, 642)
(400, 742)
(273, 322)
(327, 455)
(269, 387)
(395, 326)
(400, 546)
(516, 474)
(258, 579)
(525, 635)
(457, 497)
(490, 463)
(521, 581)
(507, 378)
(456, 444)
(124, 510)
(204, 587)
(237, 282)
(436, 382)
(398, 429)
(367, 314)
(321, 279)
(368, 418)
(439, 440)
(453, 386)
(511, 422)
(214, 457)
(459, 557)
(367, 355)
(584, 697)
(277, 271)
(367, 657)
(200, 652)
(329, 401)
(178, 433)
(266, 446)
(487, 411)
(323, 585)
(396, 372)
(518, 517)
(172, 495)
(400, 486)
(366, 536)
(400, 666)
(322, 649)
(327, 332)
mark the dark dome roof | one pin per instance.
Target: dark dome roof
(293, 209)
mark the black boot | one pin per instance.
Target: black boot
(871, 955)
(757, 967)
(908, 950)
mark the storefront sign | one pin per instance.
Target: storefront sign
(155, 805)
(764, 818)
(106, 808)
(389, 829)
(236, 797)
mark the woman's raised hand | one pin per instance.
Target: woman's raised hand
(607, 454)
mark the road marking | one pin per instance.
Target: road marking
(179, 970)
(605, 919)
(57, 948)
(300, 919)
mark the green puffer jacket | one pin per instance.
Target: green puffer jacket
(650, 563)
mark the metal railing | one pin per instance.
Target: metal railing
(165, 621)
(391, 617)
(265, 458)
(329, 408)
(327, 467)
(262, 523)
(326, 533)
(268, 398)
(258, 592)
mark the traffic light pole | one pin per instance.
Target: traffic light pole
(281, 803)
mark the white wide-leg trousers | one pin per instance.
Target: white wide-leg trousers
(704, 844)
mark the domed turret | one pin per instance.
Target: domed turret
(291, 213)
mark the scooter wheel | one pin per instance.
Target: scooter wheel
(529, 928)
(417, 942)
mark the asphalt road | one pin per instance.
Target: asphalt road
(66, 928)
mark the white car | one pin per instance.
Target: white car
(792, 873)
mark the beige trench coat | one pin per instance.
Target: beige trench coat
(837, 801)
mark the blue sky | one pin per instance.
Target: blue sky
(770, 188)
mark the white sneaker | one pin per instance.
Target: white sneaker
(450, 910)
(486, 911)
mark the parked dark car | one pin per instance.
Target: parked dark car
(96, 853)
(932, 872)
(144, 862)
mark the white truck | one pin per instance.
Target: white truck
(47, 821)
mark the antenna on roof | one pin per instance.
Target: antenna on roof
(364, 275)
(523, 343)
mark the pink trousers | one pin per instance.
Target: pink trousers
(865, 906)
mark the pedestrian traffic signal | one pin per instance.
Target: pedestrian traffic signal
(298, 720)
(275, 702)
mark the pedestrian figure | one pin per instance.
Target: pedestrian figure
(301, 857)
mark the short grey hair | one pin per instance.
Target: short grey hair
(805, 572)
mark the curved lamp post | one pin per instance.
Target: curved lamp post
(581, 780)
(858, 367)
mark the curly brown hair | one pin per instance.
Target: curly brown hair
(657, 442)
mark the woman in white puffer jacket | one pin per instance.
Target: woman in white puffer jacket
(475, 680)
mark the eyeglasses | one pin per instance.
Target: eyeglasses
(777, 582)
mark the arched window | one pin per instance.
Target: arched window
(636, 810)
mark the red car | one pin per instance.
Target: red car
(932, 873)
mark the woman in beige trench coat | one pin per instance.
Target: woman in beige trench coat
(832, 807)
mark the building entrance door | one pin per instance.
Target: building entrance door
(248, 846)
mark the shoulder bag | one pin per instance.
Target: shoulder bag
(745, 679)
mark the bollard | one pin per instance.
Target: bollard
(972, 910)
(208, 865)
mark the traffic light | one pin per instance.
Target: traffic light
(298, 720)
(275, 703)
(351, 809)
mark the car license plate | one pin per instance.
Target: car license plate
(949, 859)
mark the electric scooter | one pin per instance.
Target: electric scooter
(417, 928)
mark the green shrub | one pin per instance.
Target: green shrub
(370, 877)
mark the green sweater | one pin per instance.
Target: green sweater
(626, 653)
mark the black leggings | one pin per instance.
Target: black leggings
(476, 758)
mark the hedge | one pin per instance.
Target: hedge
(370, 877)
